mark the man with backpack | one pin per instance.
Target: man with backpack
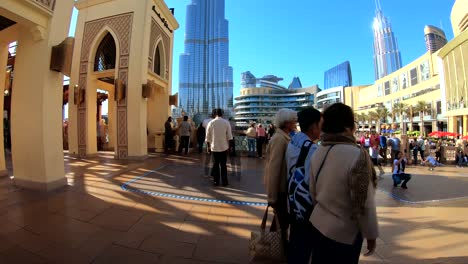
(298, 156)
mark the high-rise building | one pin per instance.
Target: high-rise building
(205, 77)
(339, 75)
(387, 57)
(295, 83)
(435, 38)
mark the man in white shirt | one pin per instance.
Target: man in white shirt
(218, 135)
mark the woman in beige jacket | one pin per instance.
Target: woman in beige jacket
(343, 183)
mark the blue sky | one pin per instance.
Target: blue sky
(306, 37)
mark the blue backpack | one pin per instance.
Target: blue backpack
(300, 202)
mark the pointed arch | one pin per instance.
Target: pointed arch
(159, 59)
(106, 54)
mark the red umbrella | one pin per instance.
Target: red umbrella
(452, 134)
(465, 137)
(436, 134)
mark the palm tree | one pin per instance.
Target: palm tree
(409, 114)
(399, 109)
(364, 118)
(358, 117)
(382, 116)
(372, 116)
(422, 108)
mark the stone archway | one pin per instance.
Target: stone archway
(120, 26)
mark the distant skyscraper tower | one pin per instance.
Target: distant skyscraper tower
(295, 83)
(435, 38)
(387, 57)
(205, 77)
(339, 75)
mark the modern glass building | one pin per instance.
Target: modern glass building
(387, 57)
(261, 98)
(205, 77)
(339, 75)
(435, 38)
(295, 83)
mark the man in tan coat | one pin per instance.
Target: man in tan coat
(276, 175)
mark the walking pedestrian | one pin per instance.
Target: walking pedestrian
(261, 136)
(201, 133)
(168, 135)
(185, 132)
(251, 135)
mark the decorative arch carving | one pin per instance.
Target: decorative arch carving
(159, 59)
(159, 38)
(120, 27)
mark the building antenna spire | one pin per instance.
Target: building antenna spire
(378, 5)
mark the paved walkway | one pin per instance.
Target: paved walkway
(165, 210)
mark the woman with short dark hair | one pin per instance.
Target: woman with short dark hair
(343, 183)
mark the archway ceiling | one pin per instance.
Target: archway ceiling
(5, 23)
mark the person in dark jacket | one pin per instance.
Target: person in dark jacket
(168, 135)
(201, 133)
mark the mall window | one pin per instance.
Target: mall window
(379, 90)
(425, 71)
(404, 80)
(429, 107)
(439, 107)
(395, 86)
(387, 88)
(414, 76)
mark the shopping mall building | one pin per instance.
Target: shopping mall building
(437, 78)
(261, 98)
(453, 62)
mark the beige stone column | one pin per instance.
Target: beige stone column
(91, 113)
(434, 126)
(465, 125)
(112, 128)
(36, 116)
(452, 124)
(3, 64)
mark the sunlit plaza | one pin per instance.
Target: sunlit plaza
(164, 210)
(85, 176)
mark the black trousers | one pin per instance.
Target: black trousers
(220, 167)
(260, 141)
(168, 141)
(232, 145)
(200, 144)
(184, 143)
(383, 153)
(281, 212)
(326, 250)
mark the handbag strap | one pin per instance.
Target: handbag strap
(265, 216)
(321, 165)
(274, 224)
(320, 169)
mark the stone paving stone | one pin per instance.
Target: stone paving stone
(117, 219)
(18, 255)
(223, 248)
(161, 245)
(116, 254)
(94, 220)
